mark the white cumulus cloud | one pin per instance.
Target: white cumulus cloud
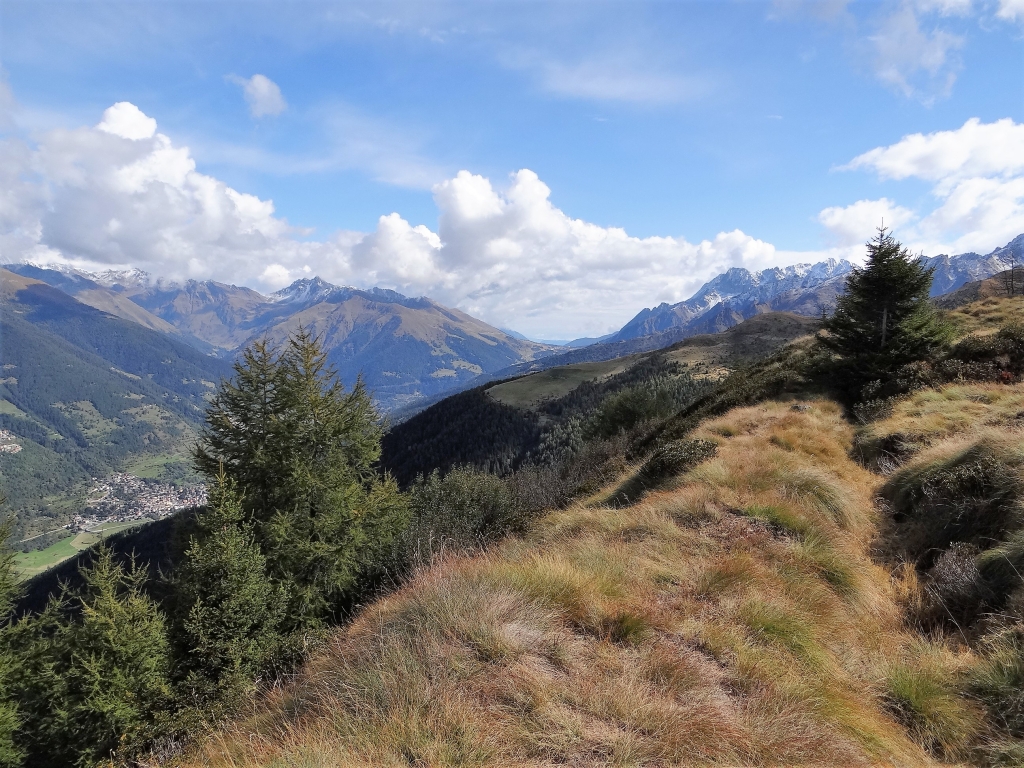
(126, 120)
(262, 95)
(977, 177)
(1011, 10)
(855, 224)
(122, 193)
(975, 149)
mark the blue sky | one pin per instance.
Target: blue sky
(655, 144)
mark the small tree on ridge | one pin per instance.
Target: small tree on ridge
(885, 319)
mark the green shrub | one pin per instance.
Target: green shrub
(460, 510)
(676, 457)
(624, 410)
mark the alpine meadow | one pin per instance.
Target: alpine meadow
(502, 384)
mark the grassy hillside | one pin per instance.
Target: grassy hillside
(734, 618)
(789, 586)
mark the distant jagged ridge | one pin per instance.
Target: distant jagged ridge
(806, 289)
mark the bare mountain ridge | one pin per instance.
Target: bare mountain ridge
(405, 348)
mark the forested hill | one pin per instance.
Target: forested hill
(84, 394)
(498, 426)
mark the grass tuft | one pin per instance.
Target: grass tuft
(924, 694)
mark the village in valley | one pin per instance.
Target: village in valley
(7, 442)
(123, 498)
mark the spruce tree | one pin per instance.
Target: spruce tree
(227, 611)
(10, 755)
(93, 669)
(246, 435)
(302, 450)
(884, 320)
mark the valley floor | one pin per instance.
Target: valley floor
(735, 617)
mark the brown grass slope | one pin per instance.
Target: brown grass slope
(733, 618)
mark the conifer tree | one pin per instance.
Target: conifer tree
(93, 669)
(245, 434)
(302, 451)
(10, 755)
(884, 320)
(227, 610)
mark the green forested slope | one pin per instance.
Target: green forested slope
(86, 394)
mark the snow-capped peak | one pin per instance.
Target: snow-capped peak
(307, 290)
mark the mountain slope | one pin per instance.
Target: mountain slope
(404, 348)
(734, 619)
(93, 294)
(952, 272)
(84, 394)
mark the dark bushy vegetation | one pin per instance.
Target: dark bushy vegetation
(667, 461)
(93, 670)
(461, 510)
(469, 429)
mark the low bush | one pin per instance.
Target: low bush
(954, 589)
(667, 461)
(459, 510)
(1002, 566)
(537, 487)
(961, 493)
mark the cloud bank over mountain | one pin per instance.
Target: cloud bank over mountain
(122, 193)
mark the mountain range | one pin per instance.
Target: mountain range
(413, 351)
(404, 348)
(806, 289)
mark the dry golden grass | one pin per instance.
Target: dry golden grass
(989, 314)
(734, 619)
(931, 415)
